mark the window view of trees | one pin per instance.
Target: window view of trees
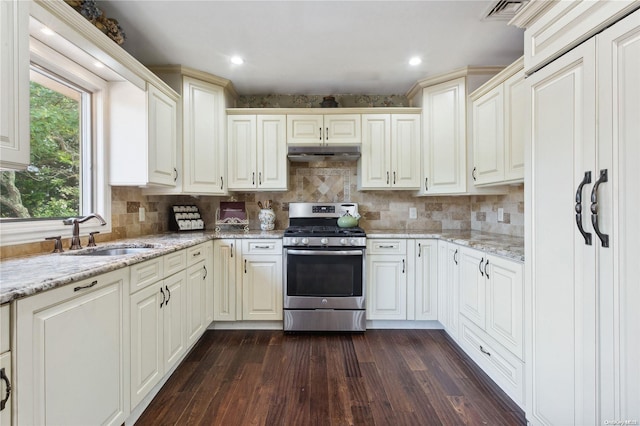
(51, 185)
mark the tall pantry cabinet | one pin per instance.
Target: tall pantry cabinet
(582, 230)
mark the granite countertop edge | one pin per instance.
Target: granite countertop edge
(27, 276)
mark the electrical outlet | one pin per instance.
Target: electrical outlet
(413, 213)
(500, 214)
(141, 214)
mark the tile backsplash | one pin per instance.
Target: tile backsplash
(328, 182)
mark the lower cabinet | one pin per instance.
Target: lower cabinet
(73, 345)
(448, 287)
(248, 280)
(402, 279)
(199, 279)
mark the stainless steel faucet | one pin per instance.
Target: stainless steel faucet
(76, 221)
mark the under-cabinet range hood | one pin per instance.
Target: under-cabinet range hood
(308, 154)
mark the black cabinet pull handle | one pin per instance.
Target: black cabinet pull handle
(168, 295)
(320, 131)
(245, 266)
(231, 250)
(83, 287)
(426, 180)
(403, 266)
(205, 272)
(578, 208)
(259, 178)
(480, 266)
(419, 250)
(455, 256)
(604, 177)
(7, 383)
(164, 297)
(484, 351)
(387, 178)
(221, 182)
(175, 174)
(394, 178)
(473, 174)
(253, 178)
(485, 268)
(327, 135)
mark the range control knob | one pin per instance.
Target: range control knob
(294, 241)
(343, 241)
(305, 241)
(324, 241)
(353, 242)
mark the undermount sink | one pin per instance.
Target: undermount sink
(113, 251)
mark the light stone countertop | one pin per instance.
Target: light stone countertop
(26, 276)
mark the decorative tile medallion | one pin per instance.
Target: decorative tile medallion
(323, 185)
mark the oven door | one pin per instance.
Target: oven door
(324, 278)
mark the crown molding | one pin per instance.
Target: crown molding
(452, 75)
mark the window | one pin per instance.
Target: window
(66, 177)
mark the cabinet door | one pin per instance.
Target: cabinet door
(444, 153)
(209, 285)
(472, 285)
(375, 163)
(515, 125)
(562, 294)
(242, 143)
(426, 280)
(273, 171)
(73, 354)
(342, 129)
(505, 304)
(174, 319)
(162, 130)
(386, 287)
(305, 129)
(619, 203)
(262, 287)
(14, 85)
(488, 137)
(405, 151)
(227, 306)
(204, 153)
(147, 365)
(196, 302)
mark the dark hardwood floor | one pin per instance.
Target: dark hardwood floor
(381, 377)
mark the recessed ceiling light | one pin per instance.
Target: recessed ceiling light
(237, 60)
(415, 61)
(47, 31)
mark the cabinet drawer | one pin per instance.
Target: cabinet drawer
(386, 246)
(195, 254)
(5, 330)
(499, 364)
(145, 273)
(175, 262)
(261, 247)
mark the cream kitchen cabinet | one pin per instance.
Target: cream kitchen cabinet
(426, 279)
(257, 152)
(158, 328)
(492, 311)
(582, 274)
(449, 287)
(262, 292)
(227, 296)
(73, 343)
(324, 129)
(199, 279)
(499, 129)
(387, 278)
(390, 152)
(201, 150)
(142, 135)
(14, 85)
(6, 378)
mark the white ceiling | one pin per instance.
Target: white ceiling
(316, 47)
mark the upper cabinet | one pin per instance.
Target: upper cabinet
(323, 129)
(257, 152)
(14, 84)
(201, 152)
(143, 135)
(499, 128)
(390, 152)
(447, 150)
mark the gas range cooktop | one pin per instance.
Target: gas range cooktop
(323, 231)
(316, 225)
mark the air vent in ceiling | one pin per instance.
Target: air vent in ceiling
(503, 10)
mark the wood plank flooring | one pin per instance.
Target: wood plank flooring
(380, 377)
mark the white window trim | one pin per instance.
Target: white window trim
(12, 233)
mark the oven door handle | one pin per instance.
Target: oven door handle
(326, 252)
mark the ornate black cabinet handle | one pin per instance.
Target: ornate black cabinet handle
(175, 174)
(426, 187)
(604, 177)
(83, 287)
(455, 254)
(387, 178)
(484, 351)
(403, 266)
(394, 178)
(578, 208)
(485, 268)
(473, 174)
(320, 131)
(419, 249)
(168, 295)
(221, 182)
(205, 272)
(260, 178)
(231, 251)
(480, 266)
(164, 297)
(7, 383)
(253, 178)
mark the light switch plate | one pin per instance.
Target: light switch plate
(413, 213)
(141, 214)
(500, 214)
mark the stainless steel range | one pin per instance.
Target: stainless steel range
(324, 269)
